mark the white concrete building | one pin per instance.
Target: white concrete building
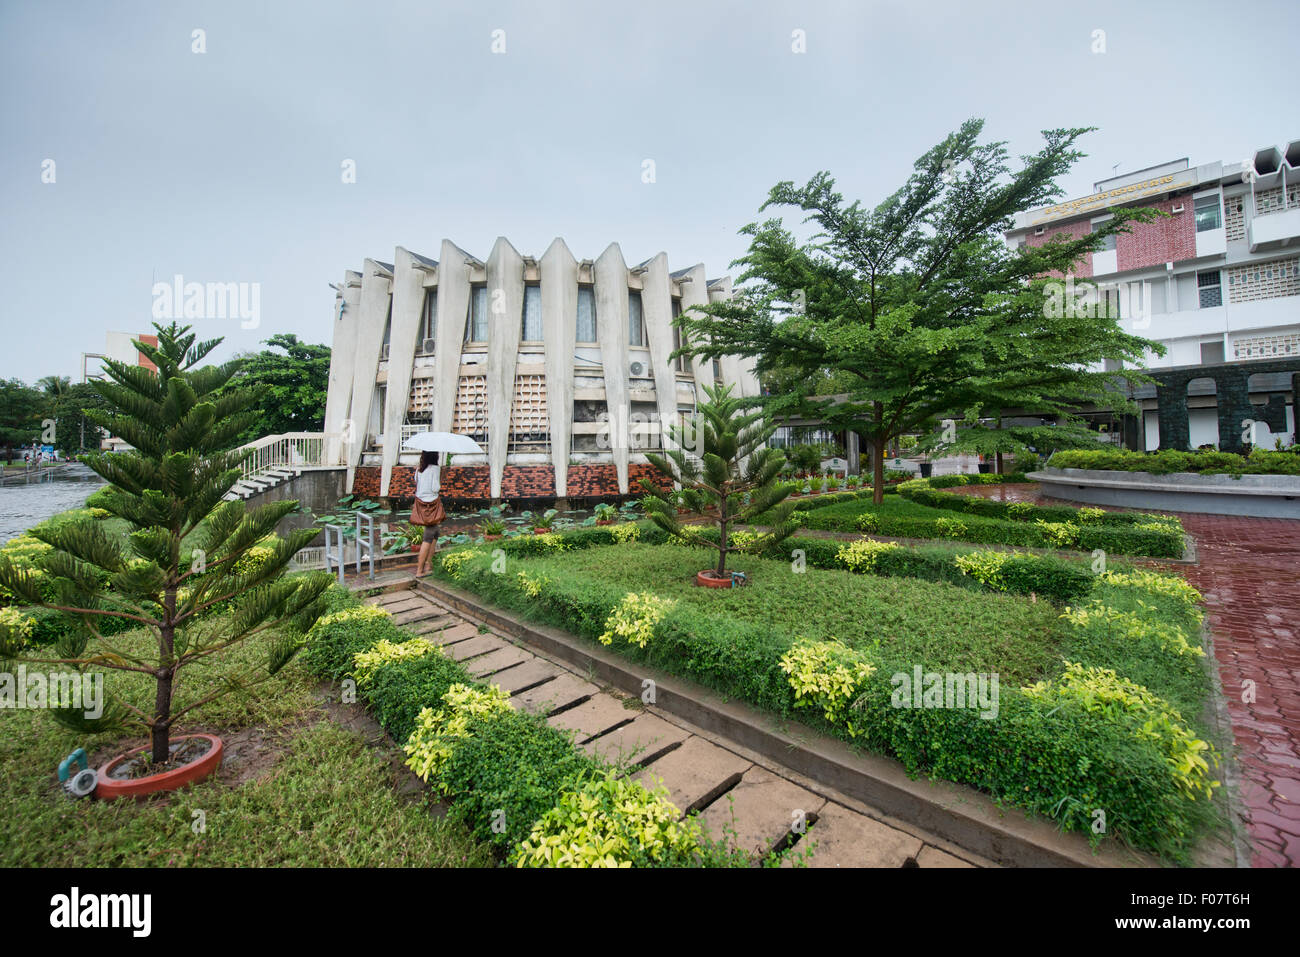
(559, 368)
(1216, 280)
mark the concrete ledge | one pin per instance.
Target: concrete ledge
(962, 815)
(1259, 496)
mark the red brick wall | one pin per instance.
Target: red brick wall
(1167, 239)
(518, 481)
(1075, 230)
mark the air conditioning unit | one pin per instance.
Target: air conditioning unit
(1176, 209)
(427, 346)
(637, 369)
(383, 351)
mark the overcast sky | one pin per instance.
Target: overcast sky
(226, 165)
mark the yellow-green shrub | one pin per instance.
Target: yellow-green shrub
(826, 674)
(436, 732)
(862, 555)
(366, 663)
(15, 630)
(634, 618)
(610, 821)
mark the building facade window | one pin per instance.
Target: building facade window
(1208, 215)
(586, 314)
(1107, 244)
(1209, 289)
(476, 322)
(532, 322)
(635, 320)
(429, 317)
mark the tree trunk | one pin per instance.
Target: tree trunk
(162, 702)
(878, 438)
(722, 536)
(998, 467)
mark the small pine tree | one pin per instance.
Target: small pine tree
(201, 573)
(733, 480)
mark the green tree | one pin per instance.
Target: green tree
(22, 411)
(292, 380)
(73, 429)
(920, 301)
(189, 553)
(733, 479)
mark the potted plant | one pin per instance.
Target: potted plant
(492, 528)
(832, 482)
(405, 539)
(543, 523)
(199, 573)
(605, 514)
(815, 483)
(733, 462)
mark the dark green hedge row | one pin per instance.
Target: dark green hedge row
(1023, 511)
(1062, 762)
(1165, 541)
(1258, 462)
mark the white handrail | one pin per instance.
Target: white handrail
(289, 449)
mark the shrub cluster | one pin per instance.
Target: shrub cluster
(1051, 749)
(1258, 462)
(516, 782)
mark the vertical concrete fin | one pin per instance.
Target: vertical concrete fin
(376, 289)
(657, 307)
(611, 332)
(403, 338)
(505, 283)
(338, 399)
(695, 293)
(453, 307)
(559, 270)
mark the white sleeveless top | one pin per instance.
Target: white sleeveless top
(427, 483)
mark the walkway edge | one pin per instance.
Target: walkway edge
(959, 814)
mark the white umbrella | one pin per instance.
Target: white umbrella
(443, 442)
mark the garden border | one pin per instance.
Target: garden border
(1253, 495)
(965, 817)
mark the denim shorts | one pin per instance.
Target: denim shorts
(430, 533)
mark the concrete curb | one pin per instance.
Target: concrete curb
(962, 815)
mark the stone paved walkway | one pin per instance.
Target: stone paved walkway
(754, 804)
(1248, 569)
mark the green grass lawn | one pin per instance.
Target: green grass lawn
(908, 621)
(322, 798)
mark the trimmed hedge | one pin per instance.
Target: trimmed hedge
(1061, 759)
(1258, 462)
(507, 771)
(1026, 511)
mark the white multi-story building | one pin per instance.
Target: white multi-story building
(559, 368)
(1216, 280)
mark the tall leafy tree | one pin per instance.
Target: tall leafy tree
(918, 304)
(22, 411)
(292, 380)
(73, 428)
(726, 472)
(189, 553)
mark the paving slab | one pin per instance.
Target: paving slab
(933, 857)
(526, 675)
(435, 624)
(560, 693)
(594, 716)
(473, 647)
(422, 612)
(452, 635)
(495, 661)
(640, 742)
(845, 838)
(759, 811)
(695, 773)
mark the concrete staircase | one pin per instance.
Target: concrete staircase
(267, 478)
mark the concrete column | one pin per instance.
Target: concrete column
(611, 332)
(657, 311)
(1233, 395)
(559, 271)
(453, 307)
(403, 339)
(732, 370)
(376, 287)
(338, 399)
(1171, 403)
(853, 452)
(695, 292)
(505, 284)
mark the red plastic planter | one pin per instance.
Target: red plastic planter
(109, 789)
(710, 579)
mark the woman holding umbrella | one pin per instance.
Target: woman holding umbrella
(427, 510)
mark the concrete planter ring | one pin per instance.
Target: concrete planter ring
(110, 788)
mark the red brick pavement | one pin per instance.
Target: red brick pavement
(1248, 569)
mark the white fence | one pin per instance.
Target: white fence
(293, 450)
